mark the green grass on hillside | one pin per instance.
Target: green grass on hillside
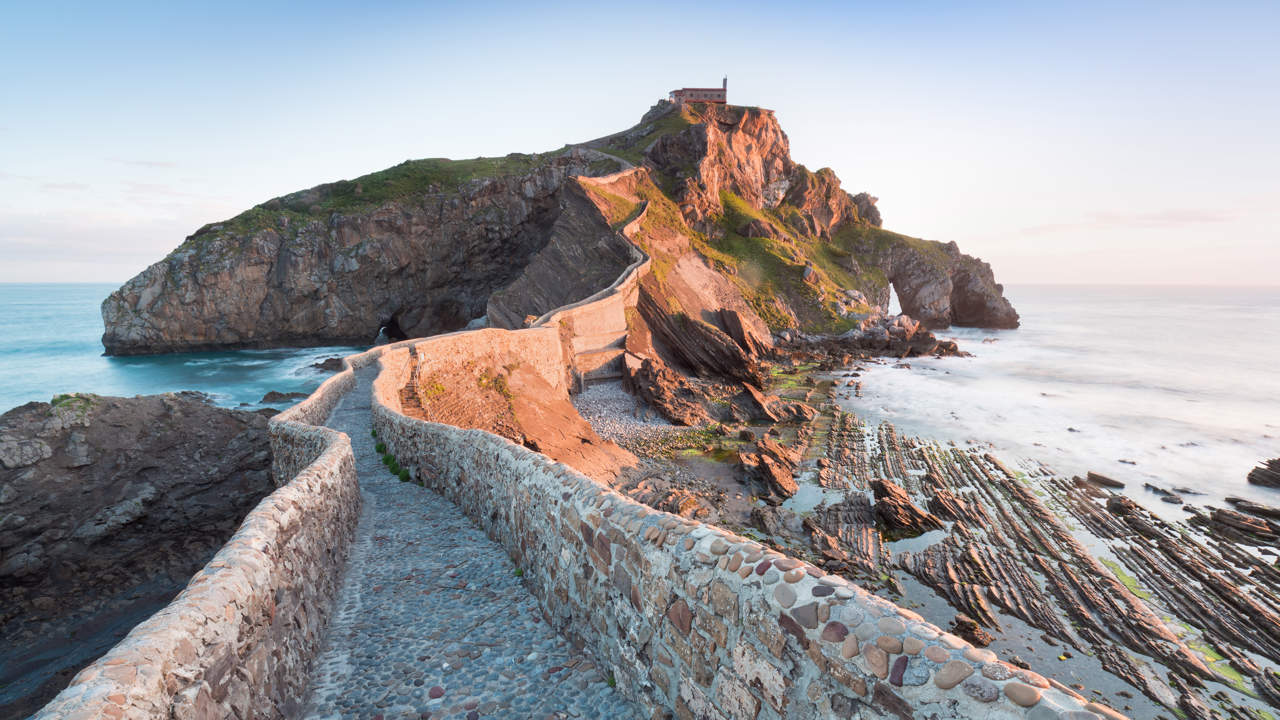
(409, 178)
(630, 145)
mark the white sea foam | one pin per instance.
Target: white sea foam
(1183, 382)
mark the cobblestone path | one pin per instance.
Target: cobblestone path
(432, 620)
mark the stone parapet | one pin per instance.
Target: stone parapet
(693, 618)
(239, 640)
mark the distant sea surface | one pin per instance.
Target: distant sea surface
(1182, 382)
(51, 343)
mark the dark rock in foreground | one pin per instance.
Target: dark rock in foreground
(107, 507)
(1267, 474)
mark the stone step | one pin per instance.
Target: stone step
(600, 364)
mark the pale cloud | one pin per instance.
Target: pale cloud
(153, 164)
(1156, 220)
(62, 186)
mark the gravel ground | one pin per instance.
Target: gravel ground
(432, 621)
(616, 415)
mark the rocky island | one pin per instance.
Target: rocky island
(651, 412)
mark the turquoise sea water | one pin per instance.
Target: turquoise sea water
(51, 343)
(1178, 386)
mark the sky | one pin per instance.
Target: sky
(1063, 143)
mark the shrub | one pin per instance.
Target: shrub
(373, 433)
(381, 448)
(404, 475)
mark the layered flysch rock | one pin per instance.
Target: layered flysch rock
(107, 506)
(430, 245)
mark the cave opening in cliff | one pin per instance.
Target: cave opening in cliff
(391, 331)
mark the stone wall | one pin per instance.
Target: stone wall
(693, 618)
(239, 640)
(594, 330)
(538, 348)
(689, 617)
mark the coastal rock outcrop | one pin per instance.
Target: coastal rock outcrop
(416, 249)
(940, 286)
(107, 506)
(1267, 474)
(431, 245)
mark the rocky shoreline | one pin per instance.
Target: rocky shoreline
(107, 507)
(1161, 619)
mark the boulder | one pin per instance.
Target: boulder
(1103, 480)
(773, 466)
(1266, 475)
(665, 390)
(897, 515)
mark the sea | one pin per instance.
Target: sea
(1174, 386)
(1178, 387)
(51, 343)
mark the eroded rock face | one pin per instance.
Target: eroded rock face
(419, 265)
(582, 256)
(940, 286)
(107, 507)
(744, 151)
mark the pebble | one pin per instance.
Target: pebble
(952, 673)
(937, 654)
(980, 689)
(889, 644)
(891, 626)
(996, 671)
(1022, 693)
(899, 667)
(835, 632)
(981, 655)
(806, 615)
(785, 596)
(877, 660)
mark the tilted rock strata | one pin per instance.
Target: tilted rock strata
(751, 634)
(582, 255)
(1267, 474)
(107, 506)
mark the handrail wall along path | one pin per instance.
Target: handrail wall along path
(690, 617)
(239, 640)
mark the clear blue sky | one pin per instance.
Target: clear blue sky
(1069, 143)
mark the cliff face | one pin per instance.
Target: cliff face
(328, 266)
(733, 177)
(107, 506)
(428, 245)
